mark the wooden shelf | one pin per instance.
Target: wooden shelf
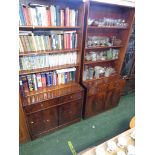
(47, 52)
(102, 47)
(115, 74)
(106, 27)
(26, 72)
(47, 27)
(51, 88)
(98, 61)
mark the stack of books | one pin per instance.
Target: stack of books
(47, 60)
(40, 15)
(47, 40)
(38, 81)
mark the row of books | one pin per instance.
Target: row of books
(38, 81)
(47, 40)
(41, 15)
(47, 60)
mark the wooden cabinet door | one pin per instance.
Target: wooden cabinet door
(114, 93)
(42, 121)
(95, 104)
(70, 111)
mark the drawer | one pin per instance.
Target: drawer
(40, 106)
(70, 111)
(71, 97)
(42, 121)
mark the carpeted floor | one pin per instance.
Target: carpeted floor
(86, 133)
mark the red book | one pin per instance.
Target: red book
(62, 16)
(26, 14)
(48, 16)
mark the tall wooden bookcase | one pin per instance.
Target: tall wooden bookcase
(54, 107)
(103, 91)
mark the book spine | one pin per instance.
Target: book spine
(38, 16)
(21, 46)
(34, 42)
(21, 14)
(54, 78)
(30, 43)
(43, 79)
(26, 15)
(30, 83)
(62, 14)
(34, 80)
(39, 83)
(21, 86)
(25, 84)
(23, 43)
(48, 82)
(57, 16)
(67, 16)
(27, 43)
(48, 16)
(76, 18)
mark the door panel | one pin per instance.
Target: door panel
(70, 111)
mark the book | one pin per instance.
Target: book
(26, 15)
(62, 17)
(21, 15)
(57, 8)
(43, 79)
(53, 15)
(39, 82)
(30, 83)
(67, 16)
(48, 16)
(33, 16)
(25, 84)
(34, 80)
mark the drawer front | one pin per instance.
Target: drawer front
(40, 106)
(70, 111)
(71, 97)
(42, 121)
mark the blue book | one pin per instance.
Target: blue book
(65, 77)
(50, 78)
(48, 83)
(21, 15)
(57, 15)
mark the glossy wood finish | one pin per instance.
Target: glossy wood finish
(23, 130)
(45, 109)
(63, 109)
(102, 95)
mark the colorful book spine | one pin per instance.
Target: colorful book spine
(34, 80)
(48, 16)
(21, 15)
(30, 83)
(43, 79)
(39, 83)
(25, 84)
(62, 17)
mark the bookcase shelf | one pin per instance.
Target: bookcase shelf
(51, 88)
(101, 78)
(106, 27)
(48, 52)
(32, 71)
(99, 61)
(47, 27)
(103, 47)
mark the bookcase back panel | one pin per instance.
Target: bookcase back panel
(98, 11)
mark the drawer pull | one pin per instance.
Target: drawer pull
(32, 122)
(47, 120)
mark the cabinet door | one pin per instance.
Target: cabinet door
(70, 111)
(42, 121)
(114, 93)
(95, 104)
